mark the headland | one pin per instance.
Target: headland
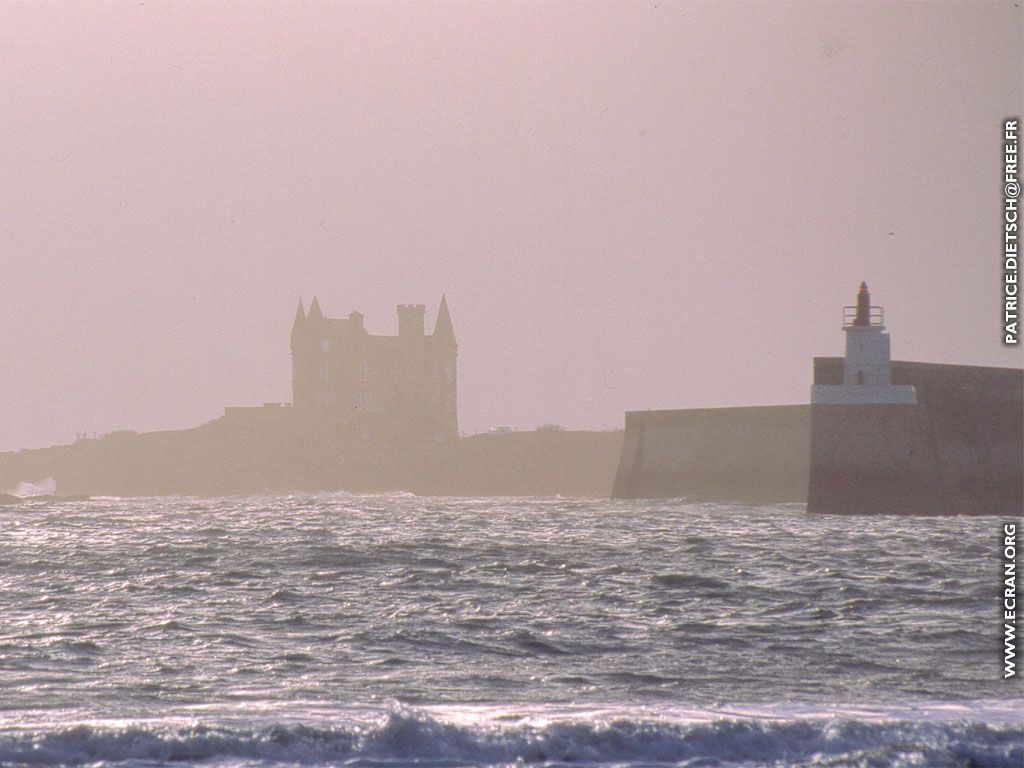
(270, 451)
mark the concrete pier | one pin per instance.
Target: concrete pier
(754, 454)
(958, 451)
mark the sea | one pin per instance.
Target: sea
(392, 630)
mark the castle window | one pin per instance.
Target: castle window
(364, 371)
(366, 403)
(325, 345)
(325, 372)
(449, 372)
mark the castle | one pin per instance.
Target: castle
(376, 387)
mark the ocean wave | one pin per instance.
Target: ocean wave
(125, 606)
(410, 738)
(689, 581)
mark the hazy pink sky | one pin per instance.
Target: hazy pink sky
(629, 206)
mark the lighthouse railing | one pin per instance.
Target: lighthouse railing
(876, 317)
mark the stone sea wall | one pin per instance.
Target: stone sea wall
(960, 450)
(754, 454)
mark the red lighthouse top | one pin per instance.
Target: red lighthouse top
(863, 315)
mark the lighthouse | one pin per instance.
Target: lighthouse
(867, 376)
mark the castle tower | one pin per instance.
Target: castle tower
(867, 377)
(446, 353)
(309, 368)
(301, 392)
(410, 320)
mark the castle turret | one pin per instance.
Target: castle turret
(315, 314)
(867, 374)
(443, 330)
(298, 323)
(301, 382)
(410, 320)
(446, 352)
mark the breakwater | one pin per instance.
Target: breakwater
(755, 454)
(958, 451)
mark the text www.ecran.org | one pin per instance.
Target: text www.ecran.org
(1009, 599)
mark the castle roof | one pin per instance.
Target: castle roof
(443, 327)
(314, 310)
(352, 326)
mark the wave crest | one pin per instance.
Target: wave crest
(405, 738)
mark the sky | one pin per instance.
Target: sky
(628, 205)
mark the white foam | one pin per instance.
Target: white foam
(47, 487)
(491, 736)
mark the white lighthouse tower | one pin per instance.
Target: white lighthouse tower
(867, 378)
